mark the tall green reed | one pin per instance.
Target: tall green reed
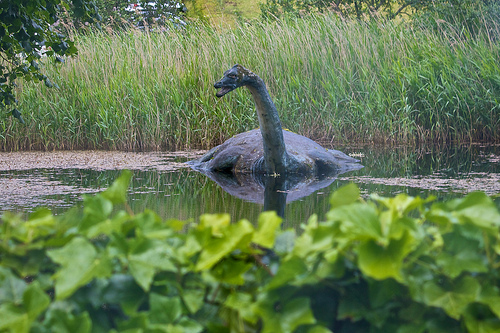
(331, 80)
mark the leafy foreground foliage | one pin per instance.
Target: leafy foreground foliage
(387, 265)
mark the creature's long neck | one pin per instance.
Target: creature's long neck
(275, 155)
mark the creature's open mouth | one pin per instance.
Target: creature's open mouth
(223, 91)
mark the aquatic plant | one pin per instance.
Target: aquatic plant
(387, 264)
(332, 80)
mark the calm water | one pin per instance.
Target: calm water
(446, 172)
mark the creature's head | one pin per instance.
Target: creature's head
(233, 78)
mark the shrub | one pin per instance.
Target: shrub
(401, 264)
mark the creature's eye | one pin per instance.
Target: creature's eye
(232, 76)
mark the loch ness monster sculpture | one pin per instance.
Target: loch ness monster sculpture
(270, 149)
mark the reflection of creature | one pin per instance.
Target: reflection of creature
(273, 192)
(269, 150)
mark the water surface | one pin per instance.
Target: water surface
(163, 183)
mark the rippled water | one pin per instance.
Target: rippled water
(161, 181)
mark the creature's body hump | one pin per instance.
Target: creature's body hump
(243, 153)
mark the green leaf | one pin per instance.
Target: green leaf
(479, 319)
(452, 297)
(164, 309)
(193, 299)
(11, 287)
(318, 329)
(401, 203)
(284, 317)
(217, 223)
(146, 258)
(14, 318)
(490, 295)
(187, 325)
(345, 195)
(217, 248)
(122, 289)
(284, 242)
(476, 208)
(16, 114)
(288, 271)
(382, 262)
(35, 300)
(63, 321)
(230, 271)
(357, 221)
(80, 264)
(242, 303)
(117, 192)
(265, 234)
(461, 254)
(96, 209)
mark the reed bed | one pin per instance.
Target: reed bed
(331, 80)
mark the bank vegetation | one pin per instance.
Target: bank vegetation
(332, 80)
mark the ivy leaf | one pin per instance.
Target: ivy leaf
(193, 299)
(269, 222)
(35, 300)
(284, 316)
(454, 297)
(242, 303)
(475, 208)
(490, 295)
(11, 287)
(62, 320)
(382, 262)
(148, 256)
(164, 309)
(80, 264)
(479, 319)
(217, 248)
(13, 319)
(117, 192)
(461, 254)
(357, 221)
(217, 222)
(345, 195)
(230, 271)
(288, 271)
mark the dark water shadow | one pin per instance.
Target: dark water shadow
(274, 192)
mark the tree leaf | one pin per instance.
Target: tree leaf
(16, 114)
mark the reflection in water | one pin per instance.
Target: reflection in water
(185, 194)
(274, 192)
